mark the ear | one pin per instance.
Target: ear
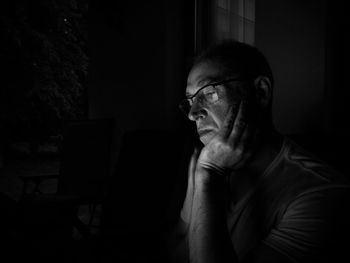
(263, 88)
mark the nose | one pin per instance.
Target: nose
(197, 111)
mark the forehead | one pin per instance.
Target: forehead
(202, 74)
(204, 70)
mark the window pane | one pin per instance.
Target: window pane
(234, 19)
(223, 4)
(249, 10)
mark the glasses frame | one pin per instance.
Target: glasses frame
(214, 84)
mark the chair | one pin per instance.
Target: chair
(83, 174)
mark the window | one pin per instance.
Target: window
(224, 19)
(234, 19)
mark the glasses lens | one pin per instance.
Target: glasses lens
(209, 95)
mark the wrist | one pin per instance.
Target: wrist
(213, 169)
(208, 175)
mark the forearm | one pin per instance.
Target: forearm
(178, 244)
(209, 240)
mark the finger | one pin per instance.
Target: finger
(239, 124)
(228, 123)
(245, 135)
(244, 147)
(242, 144)
(246, 139)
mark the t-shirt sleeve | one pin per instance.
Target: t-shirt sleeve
(315, 224)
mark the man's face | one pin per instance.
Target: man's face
(209, 118)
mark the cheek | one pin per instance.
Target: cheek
(219, 114)
(220, 111)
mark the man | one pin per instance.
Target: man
(253, 195)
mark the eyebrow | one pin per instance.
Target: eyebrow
(205, 81)
(209, 79)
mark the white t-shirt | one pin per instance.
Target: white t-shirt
(298, 208)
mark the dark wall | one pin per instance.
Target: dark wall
(138, 62)
(337, 67)
(305, 42)
(292, 36)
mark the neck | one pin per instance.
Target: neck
(266, 147)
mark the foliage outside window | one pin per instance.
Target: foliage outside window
(44, 65)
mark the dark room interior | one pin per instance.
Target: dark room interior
(93, 147)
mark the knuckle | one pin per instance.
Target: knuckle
(229, 122)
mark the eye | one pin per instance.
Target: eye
(211, 95)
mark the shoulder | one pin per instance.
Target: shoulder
(307, 163)
(295, 171)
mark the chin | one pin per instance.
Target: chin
(206, 138)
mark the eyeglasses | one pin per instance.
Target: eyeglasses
(206, 95)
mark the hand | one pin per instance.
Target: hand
(228, 150)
